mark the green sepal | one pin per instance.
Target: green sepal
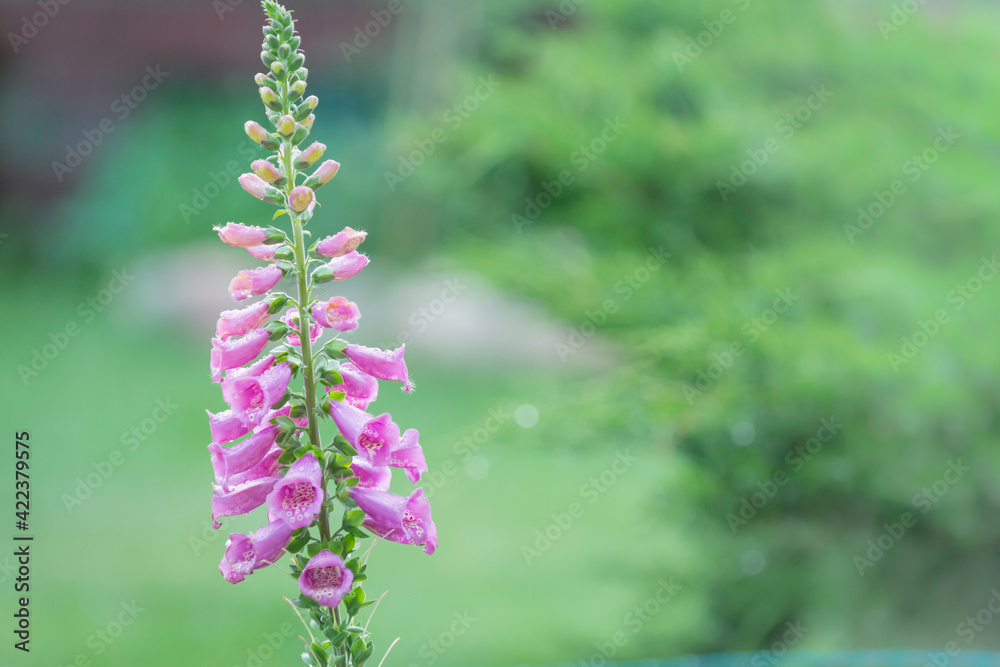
(322, 274)
(277, 304)
(335, 348)
(341, 443)
(301, 132)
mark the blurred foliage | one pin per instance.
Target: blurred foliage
(566, 69)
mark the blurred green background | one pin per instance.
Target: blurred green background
(697, 295)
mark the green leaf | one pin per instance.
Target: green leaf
(298, 542)
(353, 518)
(281, 212)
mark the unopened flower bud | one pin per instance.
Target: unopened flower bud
(264, 80)
(300, 198)
(267, 171)
(279, 70)
(270, 98)
(323, 174)
(260, 135)
(307, 157)
(259, 188)
(297, 89)
(310, 101)
(308, 122)
(286, 126)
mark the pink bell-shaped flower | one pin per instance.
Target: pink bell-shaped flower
(298, 497)
(326, 579)
(383, 364)
(246, 553)
(252, 282)
(337, 313)
(372, 437)
(402, 519)
(360, 389)
(341, 243)
(239, 235)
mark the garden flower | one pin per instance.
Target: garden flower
(409, 456)
(347, 266)
(252, 441)
(310, 155)
(264, 252)
(227, 426)
(373, 437)
(402, 519)
(326, 579)
(259, 188)
(266, 467)
(257, 133)
(241, 499)
(341, 243)
(371, 477)
(383, 364)
(326, 171)
(300, 198)
(229, 461)
(291, 318)
(266, 171)
(252, 396)
(252, 282)
(297, 498)
(246, 553)
(242, 236)
(240, 322)
(360, 389)
(235, 352)
(337, 313)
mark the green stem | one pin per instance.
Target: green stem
(301, 267)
